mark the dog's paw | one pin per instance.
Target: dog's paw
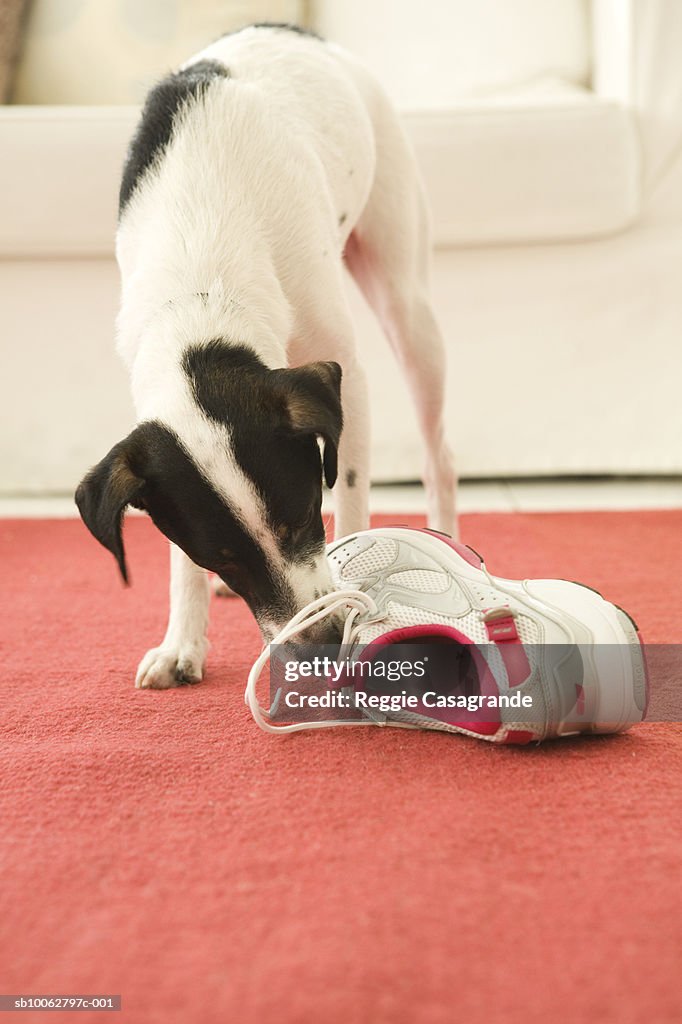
(165, 667)
(221, 588)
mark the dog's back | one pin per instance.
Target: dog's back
(263, 139)
(316, 99)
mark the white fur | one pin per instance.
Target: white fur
(240, 232)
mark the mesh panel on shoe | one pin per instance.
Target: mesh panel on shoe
(404, 615)
(424, 581)
(380, 555)
(472, 624)
(528, 630)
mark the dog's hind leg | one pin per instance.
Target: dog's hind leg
(182, 654)
(388, 254)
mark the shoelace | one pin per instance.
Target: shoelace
(357, 602)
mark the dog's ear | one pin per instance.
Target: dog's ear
(313, 407)
(104, 493)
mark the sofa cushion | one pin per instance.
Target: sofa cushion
(432, 53)
(527, 167)
(517, 171)
(59, 178)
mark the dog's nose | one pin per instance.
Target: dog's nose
(326, 632)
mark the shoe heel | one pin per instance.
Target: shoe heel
(640, 675)
(613, 655)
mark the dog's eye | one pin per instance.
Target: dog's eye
(287, 534)
(227, 564)
(283, 532)
(228, 569)
(311, 518)
(232, 575)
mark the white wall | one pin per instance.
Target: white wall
(432, 53)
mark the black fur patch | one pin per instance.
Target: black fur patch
(233, 387)
(187, 510)
(214, 369)
(351, 478)
(163, 104)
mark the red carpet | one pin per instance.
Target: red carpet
(158, 845)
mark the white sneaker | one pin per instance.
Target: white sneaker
(526, 660)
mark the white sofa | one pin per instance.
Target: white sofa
(556, 192)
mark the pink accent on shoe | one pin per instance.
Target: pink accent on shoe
(462, 550)
(503, 632)
(580, 699)
(518, 736)
(503, 629)
(516, 663)
(467, 553)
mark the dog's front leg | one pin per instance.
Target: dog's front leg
(351, 494)
(181, 656)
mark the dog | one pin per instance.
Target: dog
(260, 169)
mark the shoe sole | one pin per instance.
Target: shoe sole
(613, 654)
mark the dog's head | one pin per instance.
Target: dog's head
(232, 474)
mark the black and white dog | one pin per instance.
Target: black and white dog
(259, 169)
